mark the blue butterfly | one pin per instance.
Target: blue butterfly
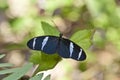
(53, 44)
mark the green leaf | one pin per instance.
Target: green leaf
(3, 4)
(2, 55)
(37, 77)
(45, 61)
(82, 38)
(20, 72)
(48, 61)
(9, 71)
(47, 78)
(37, 29)
(6, 65)
(35, 57)
(49, 30)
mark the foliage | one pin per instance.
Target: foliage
(98, 28)
(19, 72)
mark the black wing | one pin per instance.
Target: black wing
(68, 49)
(47, 44)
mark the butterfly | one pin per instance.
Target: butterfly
(53, 44)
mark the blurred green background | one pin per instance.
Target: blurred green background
(92, 24)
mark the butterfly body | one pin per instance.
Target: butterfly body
(53, 44)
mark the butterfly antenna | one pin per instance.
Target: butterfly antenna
(61, 35)
(57, 28)
(55, 24)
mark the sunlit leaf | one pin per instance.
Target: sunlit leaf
(37, 30)
(82, 38)
(49, 30)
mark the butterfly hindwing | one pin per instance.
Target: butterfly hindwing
(52, 44)
(47, 44)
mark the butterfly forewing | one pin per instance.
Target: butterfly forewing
(52, 44)
(68, 49)
(63, 48)
(47, 44)
(78, 53)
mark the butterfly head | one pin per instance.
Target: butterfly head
(61, 35)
